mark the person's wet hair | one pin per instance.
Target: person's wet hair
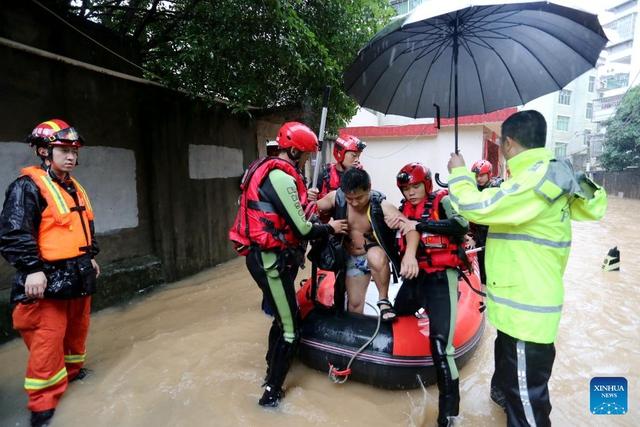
(355, 179)
(528, 128)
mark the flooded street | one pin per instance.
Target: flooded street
(192, 354)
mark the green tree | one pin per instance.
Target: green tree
(622, 145)
(269, 54)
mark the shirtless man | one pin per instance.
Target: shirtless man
(370, 242)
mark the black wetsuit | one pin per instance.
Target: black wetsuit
(275, 271)
(437, 293)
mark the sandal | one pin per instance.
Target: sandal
(387, 314)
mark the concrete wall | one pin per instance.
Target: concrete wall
(384, 157)
(162, 169)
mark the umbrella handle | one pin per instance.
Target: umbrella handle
(440, 183)
(323, 121)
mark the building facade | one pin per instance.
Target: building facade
(569, 115)
(393, 141)
(619, 65)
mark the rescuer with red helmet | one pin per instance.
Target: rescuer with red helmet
(271, 230)
(346, 151)
(434, 292)
(47, 234)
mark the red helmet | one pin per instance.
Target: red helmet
(297, 135)
(55, 132)
(414, 173)
(481, 167)
(346, 143)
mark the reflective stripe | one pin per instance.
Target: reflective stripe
(611, 267)
(84, 194)
(525, 307)
(462, 178)
(75, 358)
(486, 203)
(57, 196)
(522, 383)
(53, 124)
(38, 384)
(531, 239)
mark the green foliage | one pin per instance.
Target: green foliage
(269, 54)
(622, 147)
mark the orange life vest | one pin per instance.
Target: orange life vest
(436, 252)
(61, 234)
(257, 223)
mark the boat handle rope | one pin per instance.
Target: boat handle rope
(341, 376)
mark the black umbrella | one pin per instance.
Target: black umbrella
(473, 60)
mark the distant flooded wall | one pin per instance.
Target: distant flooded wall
(162, 169)
(625, 183)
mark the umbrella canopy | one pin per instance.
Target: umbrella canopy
(487, 56)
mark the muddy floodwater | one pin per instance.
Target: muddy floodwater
(192, 354)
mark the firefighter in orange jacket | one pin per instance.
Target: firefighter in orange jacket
(47, 234)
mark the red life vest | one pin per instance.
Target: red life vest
(330, 180)
(435, 251)
(257, 223)
(64, 230)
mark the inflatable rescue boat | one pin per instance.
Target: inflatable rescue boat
(399, 355)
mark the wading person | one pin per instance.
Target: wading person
(440, 255)
(529, 218)
(47, 234)
(270, 229)
(370, 242)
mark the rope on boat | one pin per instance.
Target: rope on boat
(341, 376)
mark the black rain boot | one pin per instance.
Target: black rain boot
(41, 418)
(449, 404)
(281, 358)
(82, 373)
(498, 397)
(274, 333)
(271, 397)
(448, 388)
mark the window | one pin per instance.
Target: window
(401, 7)
(564, 97)
(589, 113)
(562, 123)
(615, 81)
(405, 6)
(624, 26)
(592, 83)
(561, 150)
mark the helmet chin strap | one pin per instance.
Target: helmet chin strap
(294, 157)
(48, 156)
